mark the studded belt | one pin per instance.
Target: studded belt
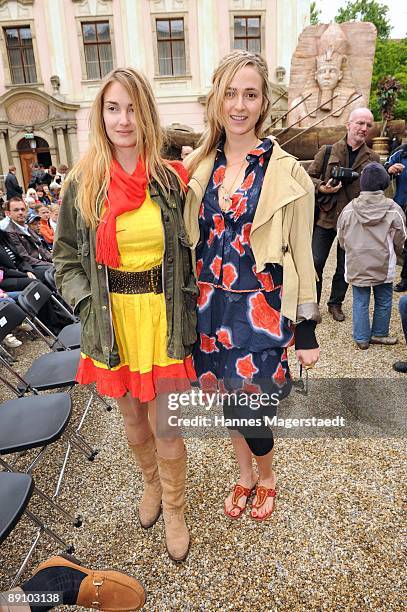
(148, 281)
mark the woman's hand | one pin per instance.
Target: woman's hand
(307, 357)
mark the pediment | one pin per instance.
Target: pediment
(32, 107)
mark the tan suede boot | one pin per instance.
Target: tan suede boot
(150, 505)
(172, 476)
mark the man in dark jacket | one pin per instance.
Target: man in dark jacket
(11, 183)
(24, 242)
(16, 278)
(350, 152)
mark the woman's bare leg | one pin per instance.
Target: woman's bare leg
(247, 477)
(168, 438)
(267, 478)
(135, 417)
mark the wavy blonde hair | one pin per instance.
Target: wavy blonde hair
(92, 171)
(221, 79)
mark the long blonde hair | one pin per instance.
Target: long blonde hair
(221, 79)
(92, 171)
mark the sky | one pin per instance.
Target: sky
(397, 13)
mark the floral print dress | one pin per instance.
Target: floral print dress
(242, 336)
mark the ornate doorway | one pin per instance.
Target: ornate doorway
(29, 156)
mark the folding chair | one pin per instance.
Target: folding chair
(31, 300)
(36, 422)
(48, 372)
(16, 490)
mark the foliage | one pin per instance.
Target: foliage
(366, 10)
(388, 89)
(390, 58)
(314, 14)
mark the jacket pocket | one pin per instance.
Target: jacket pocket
(189, 317)
(84, 307)
(84, 251)
(88, 326)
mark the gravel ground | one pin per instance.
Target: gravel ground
(334, 542)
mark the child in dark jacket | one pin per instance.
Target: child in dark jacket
(371, 229)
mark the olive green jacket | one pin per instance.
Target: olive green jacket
(282, 228)
(84, 283)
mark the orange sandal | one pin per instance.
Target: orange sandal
(262, 494)
(238, 492)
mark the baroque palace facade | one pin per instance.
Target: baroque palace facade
(54, 54)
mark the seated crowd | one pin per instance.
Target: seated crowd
(27, 230)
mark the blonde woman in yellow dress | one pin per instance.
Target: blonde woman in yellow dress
(123, 263)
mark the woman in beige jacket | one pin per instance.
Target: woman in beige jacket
(249, 216)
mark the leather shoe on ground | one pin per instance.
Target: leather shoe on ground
(336, 312)
(107, 590)
(400, 366)
(386, 340)
(401, 286)
(362, 345)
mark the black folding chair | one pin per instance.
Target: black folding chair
(31, 300)
(36, 422)
(50, 371)
(47, 372)
(16, 490)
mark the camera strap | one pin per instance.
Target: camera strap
(327, 155)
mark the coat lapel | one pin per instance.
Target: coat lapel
(279, 189)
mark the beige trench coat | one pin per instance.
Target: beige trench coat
(281, 231)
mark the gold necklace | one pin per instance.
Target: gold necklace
(227, 193)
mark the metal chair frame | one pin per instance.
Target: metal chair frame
(42, 528)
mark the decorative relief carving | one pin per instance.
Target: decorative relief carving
(93, 7)
(24, 2)
(16, 10)
(168, 6)
(248, 5)
(26, 111)
(334, 59)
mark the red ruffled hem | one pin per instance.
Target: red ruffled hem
(174, 378)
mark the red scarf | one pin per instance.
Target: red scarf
(125, 193)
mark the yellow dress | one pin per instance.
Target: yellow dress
(139, 320)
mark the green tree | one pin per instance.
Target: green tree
(366, 10)
(314, 14)
(390, 58)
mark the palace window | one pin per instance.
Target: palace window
(171, 47)
(247, 33)
(20, 54)
(98, 48)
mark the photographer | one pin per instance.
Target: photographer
(350, 153)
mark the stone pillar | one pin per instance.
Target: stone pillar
(4, 161)
(19, 171)
(61, 146)
(73, 144)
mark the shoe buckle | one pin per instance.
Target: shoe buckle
(97, 583)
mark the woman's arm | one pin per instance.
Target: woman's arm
(71, 278)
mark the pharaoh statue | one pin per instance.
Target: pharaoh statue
(329, 74)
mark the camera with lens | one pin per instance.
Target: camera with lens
(343, 175)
